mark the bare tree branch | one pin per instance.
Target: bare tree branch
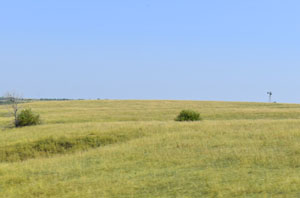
(13, 100)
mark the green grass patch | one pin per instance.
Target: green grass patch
(51, 146)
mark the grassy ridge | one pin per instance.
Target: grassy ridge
(51, 146)
(238, 150)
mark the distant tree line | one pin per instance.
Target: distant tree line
(56, 99)
(5, 100)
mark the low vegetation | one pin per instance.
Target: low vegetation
(135, 149)
(51, 146)
(188, 115)
(27, 118)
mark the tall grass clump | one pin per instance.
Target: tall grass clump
(27, 118)
(188, 115)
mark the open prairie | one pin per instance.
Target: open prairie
(114, 148)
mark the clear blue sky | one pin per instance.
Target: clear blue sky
(151, 49)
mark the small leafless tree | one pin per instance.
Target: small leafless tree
(13, 100)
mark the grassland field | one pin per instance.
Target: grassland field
(135, 149)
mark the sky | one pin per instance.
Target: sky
(151, 49)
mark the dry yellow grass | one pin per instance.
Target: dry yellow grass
(238, 150)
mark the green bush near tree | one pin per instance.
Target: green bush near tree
(27, 118)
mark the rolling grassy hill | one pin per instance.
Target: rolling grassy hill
(108, 148)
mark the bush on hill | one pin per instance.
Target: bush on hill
(188, 115)
(27, 118)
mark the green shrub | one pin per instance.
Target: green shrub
(188, 115)
(27, 118)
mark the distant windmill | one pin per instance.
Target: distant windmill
(270, 96)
